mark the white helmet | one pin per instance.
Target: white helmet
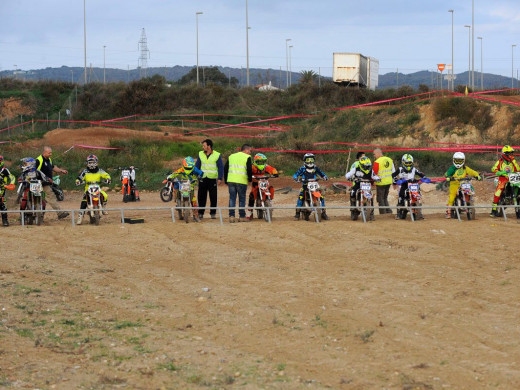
(459, 159)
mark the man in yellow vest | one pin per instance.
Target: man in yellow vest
(209, 162)
(44, 163)
(383, 167)
(238, 172)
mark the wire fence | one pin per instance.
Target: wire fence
(364, 211)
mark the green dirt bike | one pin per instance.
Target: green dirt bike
(510, 195)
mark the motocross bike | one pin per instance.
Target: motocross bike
(94, 203)
(55, 187)
(363, 198)
(510, 195)
(464, 198)
(264, 203)
(167, 191)
(311, 199)
(183, 196)
(412, 199)
(127, 185)
(33, 200)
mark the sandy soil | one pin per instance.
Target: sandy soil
(288, 305)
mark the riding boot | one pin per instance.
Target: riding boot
(105, 212)
(324, 215)
(5, 221)
(80, 218)
(297, 215)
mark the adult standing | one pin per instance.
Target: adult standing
(383, 167)
(209, 162)
(44, 164)
(238, 172)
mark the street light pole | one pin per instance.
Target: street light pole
(469, 55)
(85, 38)
(481, 66)
(197, 28)
(247, 45)
(104, 78)
(287, 62)
(512, 66)
(473, 44)
(452, 73)
(290, 65)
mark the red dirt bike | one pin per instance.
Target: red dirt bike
(412, 199)
(32, 200)
(263, 200)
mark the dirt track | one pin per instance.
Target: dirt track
(289, 305)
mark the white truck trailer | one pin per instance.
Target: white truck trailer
(355, 69)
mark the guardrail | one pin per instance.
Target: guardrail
(364, 211)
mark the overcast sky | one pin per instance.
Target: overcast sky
(409, 35)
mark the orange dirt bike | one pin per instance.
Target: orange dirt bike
(311, 199)
(412, 199)
(464, 197)
(128, 189)
(263, 200)
(167, 191)
(511, 194)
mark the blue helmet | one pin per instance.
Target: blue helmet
(28, 164)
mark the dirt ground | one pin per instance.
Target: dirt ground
(289, 305)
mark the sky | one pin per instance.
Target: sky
(404, 35)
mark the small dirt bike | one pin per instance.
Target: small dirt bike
(263, 198)
(412, 199)
(363, 198)
(183, 196)
(32, 200)
(311, 199)
(464, 197)
(510, 195)
(130, 193)
(94, 203)
(167, 191)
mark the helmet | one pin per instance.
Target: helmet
(188, 164)
(459, 159)
(365, 164)
(28, 164)
(308, 160)
(507, 153)
(260, 161)
(92, 161)
(407, 162)
(2, 162)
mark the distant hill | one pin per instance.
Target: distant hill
(432, 80)
(256, 76)
(76, 74)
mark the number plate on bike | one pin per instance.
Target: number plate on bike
(185, 186)
(514, 178)
(263, 184)
(466, 186)
(365, 187)
(313, 186)
(413, 187)
(36, 187)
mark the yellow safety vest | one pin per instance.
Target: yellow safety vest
(237, 172)
(385, 170)
(208, 165)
